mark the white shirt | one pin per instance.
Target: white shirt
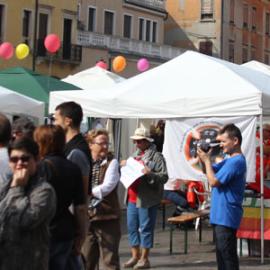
(173, 184)
(5, 170)
(111, 179)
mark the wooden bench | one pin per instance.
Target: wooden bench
(163, 205)
(184, 219)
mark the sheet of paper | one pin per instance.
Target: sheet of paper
(131, 172)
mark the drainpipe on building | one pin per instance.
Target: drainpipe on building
(221, 29)
(35, 37)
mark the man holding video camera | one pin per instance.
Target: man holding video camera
(227, 180)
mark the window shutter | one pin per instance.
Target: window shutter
(207, 6)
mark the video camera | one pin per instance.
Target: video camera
(206, 142)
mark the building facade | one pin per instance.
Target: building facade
(131, 28)
(234, 30)
(30, 21)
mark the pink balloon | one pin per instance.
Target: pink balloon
(6, 50)
(143, 64)
(52, 43)
(102, 64)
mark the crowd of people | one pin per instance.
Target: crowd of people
(58, 195)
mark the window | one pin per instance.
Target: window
(108, 22)
(91, 19)
(206, 47)
(267, 24)
(79, 11)
(2, 9)
(253, 54)
(253, 18)
(245, 16)
(154, 32)
(26, 25)
(244, 55)
(266, 59)
(232, 11)
(148, 30)
(43, 27)
(231, 52)
(141, 29)
(207, 9)
(127, 26)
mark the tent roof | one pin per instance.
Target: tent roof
(258, 66)
(93, 78)
(190, 85)
(32, 84)
(14, 103)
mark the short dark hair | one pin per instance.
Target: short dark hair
(24, 125)
(233, 132)
(51, 139)
(5, 130)
(71, 110)
(25, 143)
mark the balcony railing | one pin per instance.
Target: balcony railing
(123, 45)
(152, 4)
(69, 53)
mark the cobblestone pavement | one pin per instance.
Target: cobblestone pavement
(201, 255)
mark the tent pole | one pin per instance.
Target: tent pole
(262, 188)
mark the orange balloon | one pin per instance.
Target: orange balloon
(119, 63)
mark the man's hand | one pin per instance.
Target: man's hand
(146, 170)
(123, 163)
(20, 177)
(204, 156)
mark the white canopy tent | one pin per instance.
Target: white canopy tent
(99, 80)
(190, 85)
(13, 103)
(94, 78)
(258, 66)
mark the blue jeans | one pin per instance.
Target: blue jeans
(59, 254)
(176, 197)
(141, 225)
(226, 248)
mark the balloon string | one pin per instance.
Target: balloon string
(50, 72)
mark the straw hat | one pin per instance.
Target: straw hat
(142, 133)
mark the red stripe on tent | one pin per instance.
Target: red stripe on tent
(250, 228)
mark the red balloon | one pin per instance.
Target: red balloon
(52, 43)
(6, 50)
(102, 64)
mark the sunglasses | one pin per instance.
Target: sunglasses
(23, 159)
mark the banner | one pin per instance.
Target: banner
(183, 136)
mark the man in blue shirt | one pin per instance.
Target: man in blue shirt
(227, 180)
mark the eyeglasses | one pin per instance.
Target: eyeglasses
(15, 159)
(102, 143)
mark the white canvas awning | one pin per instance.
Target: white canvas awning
(190, 85)
(14, 103)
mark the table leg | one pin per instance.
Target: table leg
(186, 237)
(171, 238)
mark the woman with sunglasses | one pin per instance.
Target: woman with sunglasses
(104, 230)
(27, 205)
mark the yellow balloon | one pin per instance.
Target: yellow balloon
(119, 63)
(22, 51)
